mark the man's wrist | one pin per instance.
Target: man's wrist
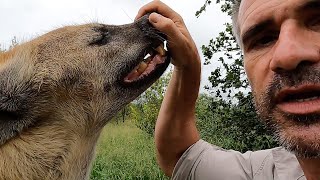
(194, 67)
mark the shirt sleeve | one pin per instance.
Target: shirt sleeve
(204, 161)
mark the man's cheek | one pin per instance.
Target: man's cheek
(259, 80)
(253, 79)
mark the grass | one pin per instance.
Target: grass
(125, 152)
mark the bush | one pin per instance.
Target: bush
(145, 110)
(232, 126)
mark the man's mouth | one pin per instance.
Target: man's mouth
(148, 65)
(301, 100)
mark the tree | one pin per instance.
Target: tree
(14, 43)
(233, 122)
(145, 110)
(123, 114)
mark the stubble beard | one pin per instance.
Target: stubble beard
(299, 134)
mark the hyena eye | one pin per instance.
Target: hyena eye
(102, 38)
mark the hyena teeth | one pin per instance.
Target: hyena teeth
(148, 60)
(142, 67)
(147, 56)
(160, 49)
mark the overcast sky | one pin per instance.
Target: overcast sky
(27, 19)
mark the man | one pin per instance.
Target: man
(281, 45)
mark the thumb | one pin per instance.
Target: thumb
(155, 18)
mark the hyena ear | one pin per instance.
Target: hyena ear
(18, 96)
(7, 116)
(15, 100)
(10, 119)
(22, 103)
(9, 97)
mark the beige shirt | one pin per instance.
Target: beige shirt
(203, 161)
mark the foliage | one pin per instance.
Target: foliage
(230, 119)
(145, 110)
(225, 6)
(231, 126)
(125, 152)
(14, 43)
(123, 114)
(2, 49)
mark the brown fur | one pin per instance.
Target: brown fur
(58, 91)
(7, 55)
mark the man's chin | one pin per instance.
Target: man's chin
(298, 134)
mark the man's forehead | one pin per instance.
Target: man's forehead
(252, 10)
(255, 11)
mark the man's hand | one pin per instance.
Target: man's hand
(180, 43)
(176, 128)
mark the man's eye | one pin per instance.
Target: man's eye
(263, 41)
(314, 24)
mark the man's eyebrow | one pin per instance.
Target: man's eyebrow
(255, 29)
(309, 5)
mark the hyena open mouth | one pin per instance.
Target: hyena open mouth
(155, 60)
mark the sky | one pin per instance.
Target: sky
(27, 19)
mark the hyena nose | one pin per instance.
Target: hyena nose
(149, 31)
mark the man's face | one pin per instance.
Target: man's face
(281, 44)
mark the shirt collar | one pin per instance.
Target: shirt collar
(287, 164)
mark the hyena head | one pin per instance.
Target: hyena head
(77, 77)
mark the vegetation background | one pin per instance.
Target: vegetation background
(225, 115)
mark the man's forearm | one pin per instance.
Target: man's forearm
(176, 128)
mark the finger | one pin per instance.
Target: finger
(159, 7)
(167, 26)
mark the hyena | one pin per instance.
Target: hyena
(59, 90)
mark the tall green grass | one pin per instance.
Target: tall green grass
(125, 152)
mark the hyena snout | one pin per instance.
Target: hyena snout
(146, 58)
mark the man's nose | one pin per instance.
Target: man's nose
(294, 46)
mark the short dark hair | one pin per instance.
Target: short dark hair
(235, 27)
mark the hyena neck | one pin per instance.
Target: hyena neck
(48, 152)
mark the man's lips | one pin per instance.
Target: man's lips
(304, 99)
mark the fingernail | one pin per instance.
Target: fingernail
(154, 17)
